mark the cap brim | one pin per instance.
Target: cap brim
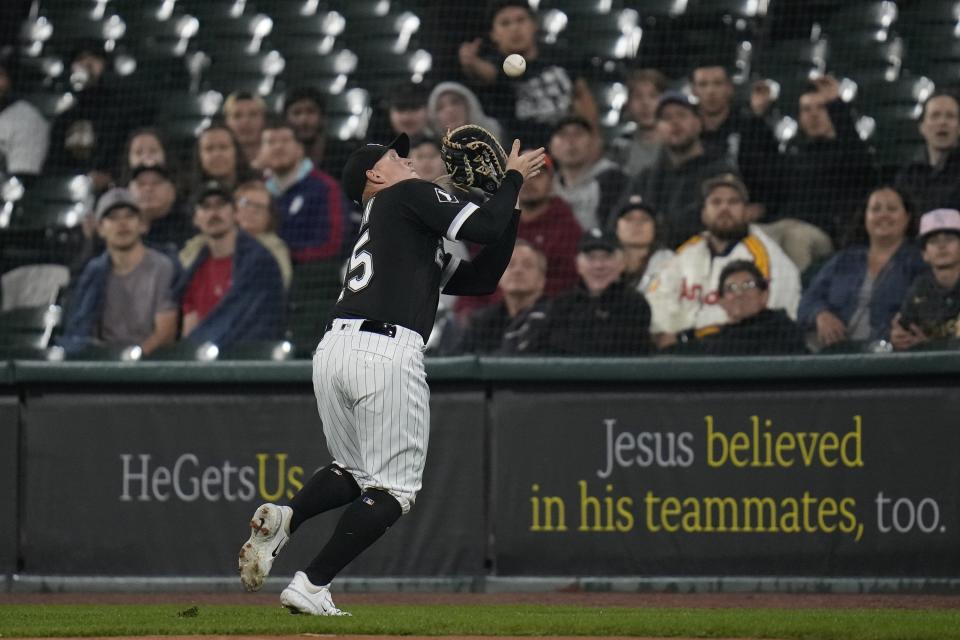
(401, 144)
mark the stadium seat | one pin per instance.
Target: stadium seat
(33, 285)
(186, 351)
(863, 14)
(30, 327)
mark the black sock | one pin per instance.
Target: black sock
(329, 488)
(365, 520)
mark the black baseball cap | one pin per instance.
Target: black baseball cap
(354, 177)
(156, 168)
(679, 98)
(634, 202)
(213, 188)
(573, 118)
(598, 239)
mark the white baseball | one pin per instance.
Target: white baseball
(514, 65)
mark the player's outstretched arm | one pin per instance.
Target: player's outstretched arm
(481, 274)
(487, 223)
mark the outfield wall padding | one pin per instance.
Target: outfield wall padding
(9, 457)
(171, 459)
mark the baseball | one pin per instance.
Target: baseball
(514, 65)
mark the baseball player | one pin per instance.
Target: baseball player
(368, 372)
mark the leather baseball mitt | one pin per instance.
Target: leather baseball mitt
(474, 158)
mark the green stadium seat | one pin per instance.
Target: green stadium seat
(863, 14)
(30, 327)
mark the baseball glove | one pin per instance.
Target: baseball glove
(474, 158)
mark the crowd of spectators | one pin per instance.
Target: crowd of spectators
(694, 231)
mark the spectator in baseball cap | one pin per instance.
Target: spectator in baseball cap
(931, 308)
(155, 190)
(637, 229)
(672, 184)
(600, 315)
(584, 178)
(123, 297)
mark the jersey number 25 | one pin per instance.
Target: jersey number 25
(360, 260)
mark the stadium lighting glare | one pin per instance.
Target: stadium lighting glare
(210, 103)
(187, 27)
(554, 21)
(382, 8)
(12, 189)
(420, 64)
(99, 10)
(866, 126)
(40, 30)
(848, 89)
(345, 62)
(131, 354)
(786, 129)
(888, 13)
(282, 351)
(679, 7)
(52, 67)
(125, 65)
(338, 85)
(6, 212)
(628, 44)
(237, 9)
(65, 101)
(273, 64)
(923, 88)
(406, 25)
(208, 352)
(604, 6)
(326, 45)
(333, 24)
(165, 12)
(73, 215)
(357, 100)
(80, 188)
(56, 354)
(627, 20)
(114, 28)
(261, 25)
(309, 8)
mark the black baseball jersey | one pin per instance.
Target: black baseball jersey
(399, 264)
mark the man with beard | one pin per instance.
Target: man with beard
(684, 295)
(124, 296)
(305, 109)
(672, 184)
(232, 291)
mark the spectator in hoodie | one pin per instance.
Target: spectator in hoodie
(452, 105)
(588, 181)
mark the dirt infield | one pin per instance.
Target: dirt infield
(589, 599)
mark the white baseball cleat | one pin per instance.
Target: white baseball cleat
(302, 596)
(269, 534)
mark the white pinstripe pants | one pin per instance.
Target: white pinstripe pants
(374, 404)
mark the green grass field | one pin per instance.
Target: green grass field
(821, 624)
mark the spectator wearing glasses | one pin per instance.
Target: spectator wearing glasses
(258, 217)
(752, 328)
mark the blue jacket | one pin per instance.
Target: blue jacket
(86, 304)
(837, 286)
(253, 308)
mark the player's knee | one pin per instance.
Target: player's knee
(384, 508)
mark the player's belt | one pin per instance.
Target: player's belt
(372, 326)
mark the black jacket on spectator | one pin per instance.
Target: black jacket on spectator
(617, 322)
(826, 181)
(747, 143)
(675, 193)
(492, 330)
(169, 233)
(931, 187)
(931, 307)
(770, 332)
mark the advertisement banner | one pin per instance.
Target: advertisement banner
(9, 452)
(165, 484)
(825, 482)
